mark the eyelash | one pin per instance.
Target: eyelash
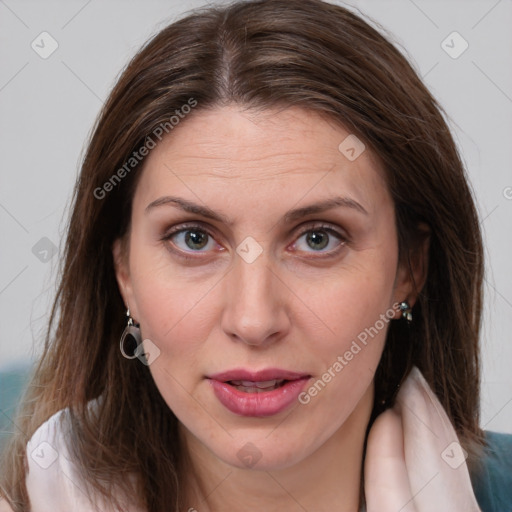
(199, 227)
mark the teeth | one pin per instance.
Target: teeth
(256, 387)
(254, 390)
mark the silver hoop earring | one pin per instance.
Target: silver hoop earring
(406, 311)
(131, 337)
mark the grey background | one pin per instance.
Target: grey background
(48, 107)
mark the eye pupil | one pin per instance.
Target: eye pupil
(197, 238)
(313, 237)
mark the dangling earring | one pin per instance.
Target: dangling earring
(406, 311)
(132, 335)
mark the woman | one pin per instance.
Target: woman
(271, 293)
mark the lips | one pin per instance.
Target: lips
(262, 393)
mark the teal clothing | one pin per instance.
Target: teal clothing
(493, 485)
(13, 381)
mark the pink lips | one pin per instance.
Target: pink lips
(264, 403)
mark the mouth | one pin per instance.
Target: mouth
(258, 394)
(248, 386)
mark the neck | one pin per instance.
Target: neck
(328, 479)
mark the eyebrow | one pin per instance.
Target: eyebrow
(290, 216)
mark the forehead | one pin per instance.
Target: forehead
(290, 153)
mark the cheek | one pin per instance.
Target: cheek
(347, 360)
(356, 311)
(168, 307)
(167, 304)
(355, 298)
(162, 293)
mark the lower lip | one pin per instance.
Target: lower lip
(262, 404)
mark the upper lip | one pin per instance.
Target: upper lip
(257, 376)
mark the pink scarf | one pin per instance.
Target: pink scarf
(414, 462)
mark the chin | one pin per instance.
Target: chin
(255, 452)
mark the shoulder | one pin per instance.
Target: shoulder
(493, 484)
(48, 465)
(53, 481)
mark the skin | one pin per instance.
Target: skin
(4, 507)
(294, 307)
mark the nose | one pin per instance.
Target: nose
(255, 310)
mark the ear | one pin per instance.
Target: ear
(412, 272)
(120, 250)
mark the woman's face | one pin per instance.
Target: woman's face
(271, 283)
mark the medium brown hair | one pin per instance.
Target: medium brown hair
(257, 54)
